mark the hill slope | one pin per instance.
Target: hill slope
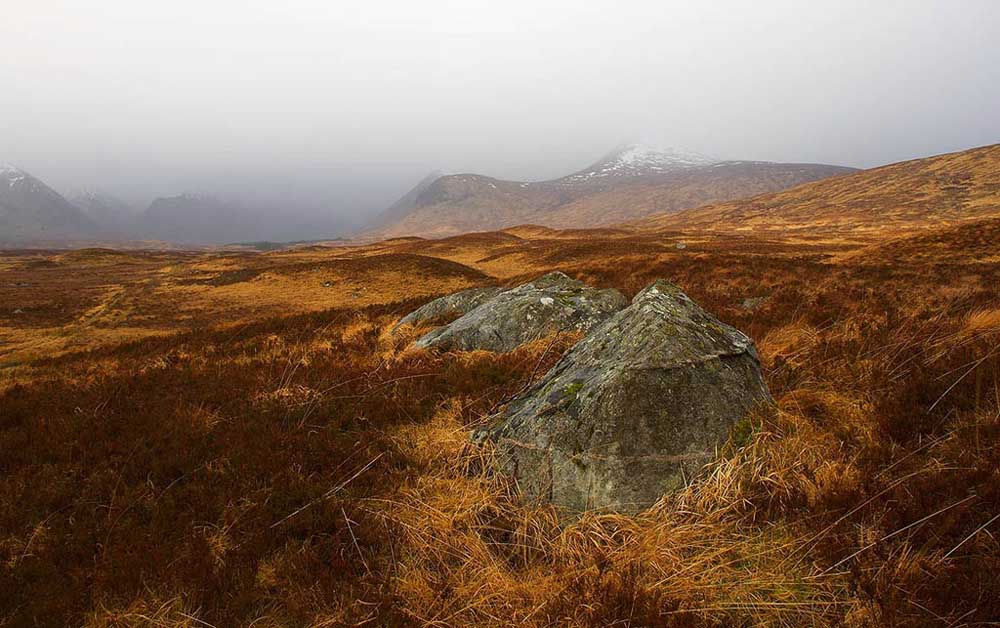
(31, 210)
(914, 194)
(400, 208)
(627, 184)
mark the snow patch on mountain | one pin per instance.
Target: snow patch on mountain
(11, 175)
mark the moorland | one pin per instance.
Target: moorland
(222, 438)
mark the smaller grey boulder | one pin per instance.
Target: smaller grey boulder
(633, 411)
(454, 304)
(552, 303)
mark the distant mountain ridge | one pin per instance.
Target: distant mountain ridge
(641, 186)
(627, 184)
(34, 214)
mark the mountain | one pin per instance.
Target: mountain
(906, 196)
(197, 219)
(627, 184)
(203, 219)
(32, 211)
(114, 216)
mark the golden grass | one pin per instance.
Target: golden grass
(501, 563)
(281, 460)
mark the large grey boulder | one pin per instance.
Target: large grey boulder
(454, 304)
(634, 410)
(550, 304)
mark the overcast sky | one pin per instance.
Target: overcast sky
(347, 103)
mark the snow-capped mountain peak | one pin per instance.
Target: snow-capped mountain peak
(31, 210)
(634, 160)
(643, 155)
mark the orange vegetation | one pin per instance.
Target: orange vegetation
(225, 439)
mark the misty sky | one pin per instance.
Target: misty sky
(345, 104)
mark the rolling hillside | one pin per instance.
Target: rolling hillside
(253, 425)
(901, 197)
(627, 184)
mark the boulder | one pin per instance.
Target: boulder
(550, 304)
(634, 410)
(454, 304)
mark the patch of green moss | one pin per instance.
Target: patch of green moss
(573, 389)
(742, 432)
